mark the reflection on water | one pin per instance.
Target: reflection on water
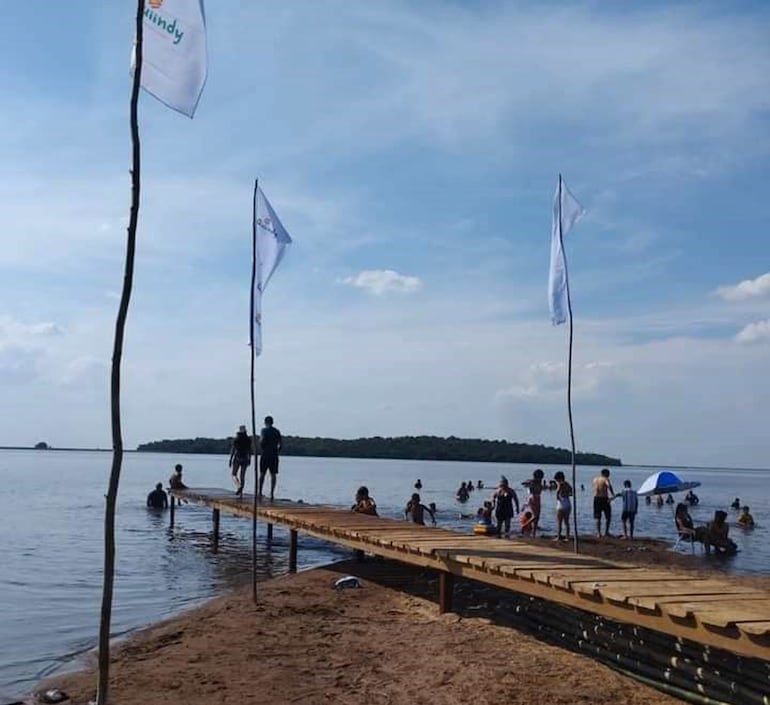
(51, 560)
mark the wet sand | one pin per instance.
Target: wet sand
(306, 643)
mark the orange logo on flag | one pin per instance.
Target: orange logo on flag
(155, 4)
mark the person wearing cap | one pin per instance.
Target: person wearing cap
(270, 446)
(240, 458)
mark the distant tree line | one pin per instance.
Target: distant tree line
(401, 447)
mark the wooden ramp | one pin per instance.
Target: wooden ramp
(709, 611)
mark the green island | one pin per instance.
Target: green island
(400, 448)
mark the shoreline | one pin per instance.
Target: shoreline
(305, 642)
(317, 639)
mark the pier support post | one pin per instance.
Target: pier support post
(293, 551)
(359, 555)
(446, 584)
(171, 508)
(215, 518)
(269, 533)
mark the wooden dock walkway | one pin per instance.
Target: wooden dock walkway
(709, 611)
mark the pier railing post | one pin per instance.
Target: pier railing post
(269, 533)
(293, 551)
(171, 507)
(446, 584)
(216, 530)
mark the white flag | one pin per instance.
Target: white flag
(272, 240)
(566, 212)
(174, 52)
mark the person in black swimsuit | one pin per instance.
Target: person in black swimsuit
(270, 444)
(240, 458)
(504, 499)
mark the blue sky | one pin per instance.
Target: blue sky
(411, 149)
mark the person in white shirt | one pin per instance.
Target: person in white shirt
(630, 507)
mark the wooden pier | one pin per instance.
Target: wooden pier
(708, 611)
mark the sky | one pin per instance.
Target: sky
(412, 151)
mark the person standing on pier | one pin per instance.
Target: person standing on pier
(270, 445)
(240, 458)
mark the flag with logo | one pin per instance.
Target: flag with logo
(566, 212)
(174, 52)
(271, 243)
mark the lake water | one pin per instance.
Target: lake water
(52, 512)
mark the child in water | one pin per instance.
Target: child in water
(416, 511)
(364, 503)
(527, 523)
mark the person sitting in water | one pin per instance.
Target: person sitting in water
(157, 499)
(745, 520)
(479, 485)
(684, 525)
(416, 510)
(691, 498)
(418, 484)
(659, 500)
(736, 503)
(716, 536)
(648, 499)
(527, 523)
(462, 493)
(484, 514)
(670, 499)
(364, 503)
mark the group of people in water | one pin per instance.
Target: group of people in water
(496, 515)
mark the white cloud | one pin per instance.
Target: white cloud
(383, 281)
(747, 289)
(754, 333)
(549, 379)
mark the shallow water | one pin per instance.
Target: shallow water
(52, 511)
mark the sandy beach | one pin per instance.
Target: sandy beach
(384, 643)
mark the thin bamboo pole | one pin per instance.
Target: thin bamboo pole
(569, 379)
(117, 354)
(253, 405)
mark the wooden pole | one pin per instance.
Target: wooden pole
(292, 550)
(171, 504)
(569, 380)
(446, 584)
(269, 533)
(117, 354)
(253, 404)
(215, 519)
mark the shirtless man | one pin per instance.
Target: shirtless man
(603, 494)
(416, 511)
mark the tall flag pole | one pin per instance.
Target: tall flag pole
(269, 242)
(566, 212)
(253, 357)
(117, 354)
(176, 42)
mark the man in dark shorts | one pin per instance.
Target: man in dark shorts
(270, 445)
(240, 458)
(603, 495)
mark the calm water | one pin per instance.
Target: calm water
(51, 519)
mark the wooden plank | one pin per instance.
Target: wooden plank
(621, 590)
(754, 628)
(728, 614)
(577, 574)
(672, 603)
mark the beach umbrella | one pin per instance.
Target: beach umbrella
(665, 482)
